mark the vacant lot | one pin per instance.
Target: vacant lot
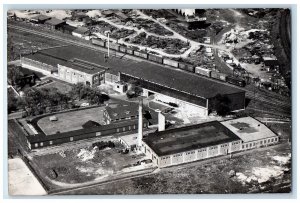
(69, 121)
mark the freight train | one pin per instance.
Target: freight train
(166, 61)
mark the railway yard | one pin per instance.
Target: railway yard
(159, 40)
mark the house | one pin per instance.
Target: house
(81, 32)
(40, 19)
(54, 23)
(68, 29)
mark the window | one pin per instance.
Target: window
(41, 144)
(242, 146)
(261, 142)
(265, 141)
(275, 139)
(51, 142)
(71, 138)
(98, 133)
(36, 144)
(129, 127)
(272, 140)
(145, 124)
(253, 144)
(268, 140)
(133, 126)
(250, 145)
(124, 129)
(246, 145)
(118, 130)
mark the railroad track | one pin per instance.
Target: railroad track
(249, 93)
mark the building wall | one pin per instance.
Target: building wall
(110, 78)
(85, 135)
(76, 76)
(38, 66)
(259, 143)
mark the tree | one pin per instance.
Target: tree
(14, 75)
(11, 102)
(221, 104)
(134, 89)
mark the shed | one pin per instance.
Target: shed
(40, 19)
(81, 31)
(54, 23)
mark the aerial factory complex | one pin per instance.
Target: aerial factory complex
(124, 95)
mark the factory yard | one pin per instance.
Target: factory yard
(86, 164)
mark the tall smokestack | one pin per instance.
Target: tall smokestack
(161, 120)
(140, 128)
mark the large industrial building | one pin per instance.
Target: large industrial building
(189, 91)
(206, 140)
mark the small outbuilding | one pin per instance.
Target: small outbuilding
(54, 23)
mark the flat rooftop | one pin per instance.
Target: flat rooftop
(122, 110)
(68, 121)
(248, 129)
(155, 73)
(189, 138)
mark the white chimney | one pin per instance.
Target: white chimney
(161, 120)
(140, 127)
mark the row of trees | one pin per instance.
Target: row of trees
(37, 101)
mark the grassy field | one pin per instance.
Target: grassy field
(69, 121)
(208, 178)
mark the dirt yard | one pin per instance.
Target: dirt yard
(84, 164)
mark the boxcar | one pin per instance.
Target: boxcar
(203, 71)
(155, 58)
(123, 49)
(218, 76)
(140, 54)
(186, 67)
(113, 46)
(129, 51)
(99, 42)
(170, 62)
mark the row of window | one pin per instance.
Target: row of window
(202, 150)
(224, 145)
(214, 147)
(177, 155)
(187, 153)
(235, 143)
(97, 134)
(166, 157)
(261, 143)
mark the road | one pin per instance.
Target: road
(249, 92)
